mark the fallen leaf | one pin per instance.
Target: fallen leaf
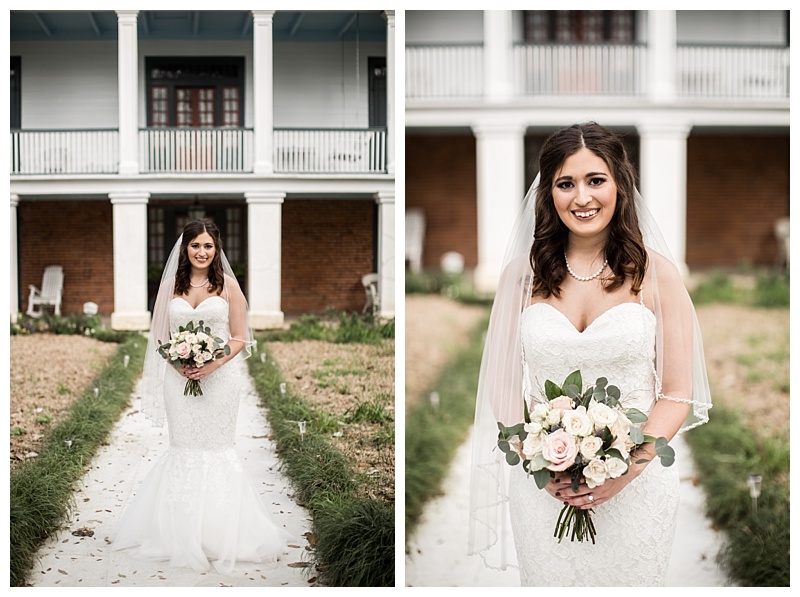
(299, 565)
(61, 571)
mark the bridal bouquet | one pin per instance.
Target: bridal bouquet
(192, 345)
(590, 435)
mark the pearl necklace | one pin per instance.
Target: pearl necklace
(206, 282)
(584, 278)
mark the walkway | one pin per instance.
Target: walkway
(67, 560)
(437, 553)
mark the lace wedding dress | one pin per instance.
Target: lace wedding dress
(635, 529)
(197, 504)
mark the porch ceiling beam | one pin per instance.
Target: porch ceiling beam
(296, 24)
(348, 24)
(42, 24)
(196, 21)
(93, 22)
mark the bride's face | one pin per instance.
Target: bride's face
(201, 250)
(585, 194)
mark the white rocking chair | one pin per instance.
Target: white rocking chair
(370, 284)
(50, 294)
(415, 238)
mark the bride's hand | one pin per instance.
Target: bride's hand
(586, 497)
(199, 373)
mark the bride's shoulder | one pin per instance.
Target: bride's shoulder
(665, 271)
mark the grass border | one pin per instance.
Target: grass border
(430, 429)
(42, 490)
(353, 537)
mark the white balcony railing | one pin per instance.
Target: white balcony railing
(558, 70)
(176, 150)
(329, 151)
(584, 69)
(434, 72)
(734, 72)
(64, 152)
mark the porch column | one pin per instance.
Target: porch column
(663, 180)
(128, 79)
(262, 91)
(390, 132)
(497, 44)
(130, 261)
(264, 259)
(500, 156)
(14, 273)
(661, 53)
(386, 252)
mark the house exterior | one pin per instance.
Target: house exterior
(701, 96)
(279, 125)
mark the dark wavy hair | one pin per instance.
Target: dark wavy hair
(216, 276)
(625, 250)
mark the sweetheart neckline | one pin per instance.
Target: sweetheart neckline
(572, 325)
(188, 304)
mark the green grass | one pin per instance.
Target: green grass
(769, 289)
(725, 453)
(353, 536)
(41, 490)
(338, 327)
(430, 430)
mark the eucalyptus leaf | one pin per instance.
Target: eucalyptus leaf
(542, 478)
(635, 415)
(572, 391)
(601, 382)
(504, 446)
(512, 458)
(527, 412)
(613, 391)
(614, 453)
(661, 443)
(636, 435)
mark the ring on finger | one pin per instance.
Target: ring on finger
(590, 497)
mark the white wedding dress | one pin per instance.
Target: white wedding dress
(636, 527)
(197, 505)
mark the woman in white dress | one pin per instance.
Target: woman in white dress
(197, 505)
(587, 285)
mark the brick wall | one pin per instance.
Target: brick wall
(327, 245)
(738, 186)
(76, 235)
(441, 179)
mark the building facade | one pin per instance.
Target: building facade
(701, 96)
(278, 125)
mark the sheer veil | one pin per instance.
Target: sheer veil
(155, 366)
(503, 382)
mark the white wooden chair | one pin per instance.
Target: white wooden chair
(415, 238)
(50, 294)
(370, 284)
(782, 236)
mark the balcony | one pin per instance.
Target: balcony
(199, 151)
(719, 73)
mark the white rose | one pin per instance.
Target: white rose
(207, 356)
(539, 413)
(595, 473)
(531, 446)
(616, 467)
(590, 446)
(622, 445)
(553, 417)
(191, 339)
(196, 348)
(577, 422)
(601, 415)
(202, 336)
(533, 428)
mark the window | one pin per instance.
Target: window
(580, 26)
(195, 92)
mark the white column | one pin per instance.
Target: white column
(130, 261)
(390, 71)
(663, 180)
(497, 47)
(14, 273)
(386, 252)
(264, 259)
(262, 91)
(661, 54)
(500, 156)
(128, 78)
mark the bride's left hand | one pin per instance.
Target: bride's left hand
(587, 497)
(200, 373)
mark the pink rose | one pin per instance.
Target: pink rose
(559, 449)
(184, 350)
(562, 403)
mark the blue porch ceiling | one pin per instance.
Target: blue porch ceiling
(63, 25)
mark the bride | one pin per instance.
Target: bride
(197, 504)
(587, 285)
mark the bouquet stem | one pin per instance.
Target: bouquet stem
(192, 387)
(579, 522)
